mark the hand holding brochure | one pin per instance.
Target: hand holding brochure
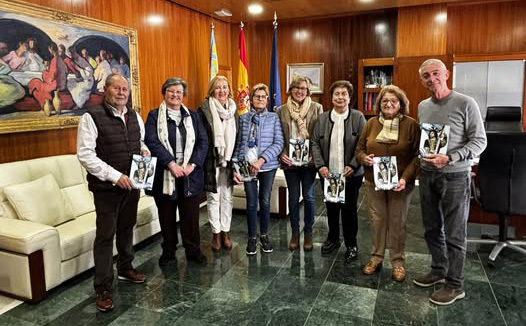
(243, 170)
(385, 171)
(142, 171)
(334, 188)
(433, 139)
(299, 152)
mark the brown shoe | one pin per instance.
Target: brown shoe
(227, 243)
(294, 242)
(307, 242)
(447, 295)
(103, 301)
(216, 242)
(398, 273)
(427, 280)
(371, 267)
(131, 275)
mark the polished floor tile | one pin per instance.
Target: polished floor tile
(289, 288)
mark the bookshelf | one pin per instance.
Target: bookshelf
(373, 74)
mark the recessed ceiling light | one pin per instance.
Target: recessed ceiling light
(223, 13)
(366, 1)
(380, 28)
(155, 19)
(255, 9)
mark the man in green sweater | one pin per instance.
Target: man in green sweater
(445, 181)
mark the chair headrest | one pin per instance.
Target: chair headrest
(504, 113)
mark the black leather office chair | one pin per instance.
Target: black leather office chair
(502, 185)
(504, 118)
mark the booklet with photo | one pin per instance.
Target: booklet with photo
(299, 152)
(385, 172)
(142, 171)
(334, 188)
(433, 139)
(243, 170)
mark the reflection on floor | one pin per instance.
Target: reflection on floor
(284, 288)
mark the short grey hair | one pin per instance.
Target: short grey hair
(430, 61)
(112, 76)
(173, 81)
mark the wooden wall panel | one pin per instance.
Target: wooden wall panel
(421, 31)
(487, 28)
(337, 42)
(178, 47)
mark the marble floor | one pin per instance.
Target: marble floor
(288, 288)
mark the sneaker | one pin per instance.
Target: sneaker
(351, 253)
(329, 246)
(197, 257)
(103, 301)
(252, 246)
(428, 280)
(167, 258)
(266, 245)
(447, 295)
(131, 275)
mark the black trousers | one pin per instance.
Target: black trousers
(188, 219)
(348, 212)
(116, 216)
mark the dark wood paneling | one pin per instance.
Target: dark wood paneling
(421, 31)
(487, 28)
(178, 47)
(338, 43)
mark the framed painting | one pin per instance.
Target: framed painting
(314, 71)
(53, 65)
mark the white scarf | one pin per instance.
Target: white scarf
(225, 129)
(298, 113)
(337, 146)
(162, 134)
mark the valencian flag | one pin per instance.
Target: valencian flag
(214, 61)
(275, 87)
(243, 91)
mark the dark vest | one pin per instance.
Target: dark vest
(116, 143)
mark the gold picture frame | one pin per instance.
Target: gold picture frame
(44, 27)
(314, 71)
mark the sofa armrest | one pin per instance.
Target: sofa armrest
(23, 240)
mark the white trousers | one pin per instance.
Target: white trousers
(220, 203)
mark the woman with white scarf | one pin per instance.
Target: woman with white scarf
(219, 115)
(334, 143)
(298, 118)
(391, 133)
(176, 136)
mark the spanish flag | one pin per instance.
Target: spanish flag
(214, 61)
(243, 90)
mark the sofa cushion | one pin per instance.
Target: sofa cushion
(40, 201)
(147, 211)
(80, 198)
(77, 236)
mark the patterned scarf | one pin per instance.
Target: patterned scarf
(389, 133)
(224, 125)
(298, 114)
(162, 134)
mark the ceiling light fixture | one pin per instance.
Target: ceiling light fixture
(380, 28)
(223, 13)
(155, 19)
(255, 9)
(441, 17)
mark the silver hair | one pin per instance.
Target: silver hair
(430, 61)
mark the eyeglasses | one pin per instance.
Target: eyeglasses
(175, 92)
(304, 89)
(393, 101)
(260, 97)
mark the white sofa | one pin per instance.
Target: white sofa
(279, 200)
(47, 225)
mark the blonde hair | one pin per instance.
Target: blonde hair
(258, 87)
(213, 84)
(396, 91)
(296, 81)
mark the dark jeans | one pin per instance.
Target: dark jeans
(306, 177)
(349, 213)
(444, 200)
(188, 220)
(116, 216)
(266, 180)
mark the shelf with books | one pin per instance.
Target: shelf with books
(373, 74)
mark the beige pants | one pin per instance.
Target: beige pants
(388, 214)
(219, 204)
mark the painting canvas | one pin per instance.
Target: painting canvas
(314, 71)
(53, 65)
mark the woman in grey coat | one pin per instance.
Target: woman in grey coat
(334, 143)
